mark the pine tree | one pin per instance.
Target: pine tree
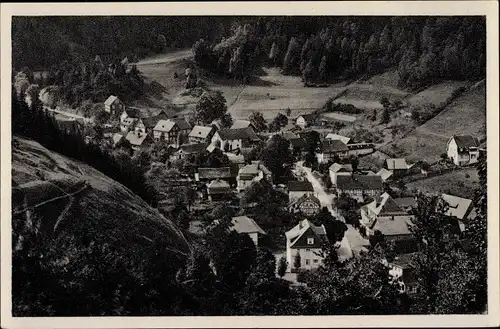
(323, 71)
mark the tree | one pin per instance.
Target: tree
(210, 106)
(258, 121)
(276, 155)
(274, 54)
(292, 56)
(386, 117)
(280, 121)
(282, 266)
(385, 102)
(309, 73)
(226, 120)
(374, 115)
(354, 160)
(323, 69)
(297, 261)
(162, 42)
(377, 239)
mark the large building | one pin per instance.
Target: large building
(463, 150)
(360, 186)
(246, 225)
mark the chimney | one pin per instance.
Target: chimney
(300, 225)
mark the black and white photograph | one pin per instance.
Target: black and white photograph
(249, 164)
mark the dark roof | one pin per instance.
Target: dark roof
(132, 112)
(193, 148)
(308, 117)
(241, 133)
(466, 141)
(360, 146)
(300, 186)
(334, 146)
(181, 123)
(213, 173)
(359, 182)
(406, 202)
(405, 260)
(308, 197)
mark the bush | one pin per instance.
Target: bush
(302, 276)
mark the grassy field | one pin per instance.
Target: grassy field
(435, 95)
(465, 115)
(460, 183)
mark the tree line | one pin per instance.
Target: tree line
(423, 50)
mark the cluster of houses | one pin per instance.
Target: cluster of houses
(378, 211)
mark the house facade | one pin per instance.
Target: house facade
(330, 149)
(336, 170)
(219, 190)
(308, 205)
(305, 120)
(138, 141)
(463, 150)
(232, 139)
(250, 173)
(201, 134)
(113, 105)
(166, 130)
(397, 166)
(305, 240)
(360, 186)
(357, 149)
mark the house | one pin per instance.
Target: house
(343, 139)
(305, 240)
(127, 125)
(402, 269)
(187, 150)
(250, 173)
(231, 139)
(297, 189)
(383, 206)
(130, 112)
(139, 127)
(297, 144)
(336, 170)
(463, 150)
(238, 124)
(306, 120)
(166, 130)
(385, 174)
(360, 186)
(460, 209)
(113, 105)
(330, 149)
(397, 166)
(218, 190)
(184, 126)
(246, 225)
(209, 174)
(201, 134)
(138, 141)
(308, 205)
(150, 122)
(356, 149)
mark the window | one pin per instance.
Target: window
(310, 240)
(315, 261)
(307, 261)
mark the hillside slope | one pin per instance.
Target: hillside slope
(465, 115)
(87, 227)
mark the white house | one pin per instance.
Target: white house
(231, 139)
(459, 208)
(359, 186)
(330, 149)
(305, 240)
(339, 170)
(250, 173)
(166, 130)
(246, 225)
(305, 120)
(341, 138)
(113, 105)
(463, 149)
(201, 134)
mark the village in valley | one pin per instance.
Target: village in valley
(315, 170)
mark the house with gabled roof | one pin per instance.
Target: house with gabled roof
(127, 124)
(208, 174)
(307, 205)
(218, 190)
(113, 105)
(330, 149)
(463, 149)
(460, 209)
(184, 126)
(252, 172)
(337, 169)
(232, 139)
(166, 130)
(188, 150)
(385, 174)
(246, 225)
(130, 112)
(397, 166)
(238, 124)
(306, 240)
(201, 134)
(138, 141)
(306, 120)
(343, 139)
(360, 186)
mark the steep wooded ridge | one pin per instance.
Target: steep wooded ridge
(75, 229)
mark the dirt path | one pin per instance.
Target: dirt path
(167, 58)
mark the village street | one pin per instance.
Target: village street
(344, 251)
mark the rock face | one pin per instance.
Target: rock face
(82, 215)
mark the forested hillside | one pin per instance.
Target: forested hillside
(424, 50)
(40, 42)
